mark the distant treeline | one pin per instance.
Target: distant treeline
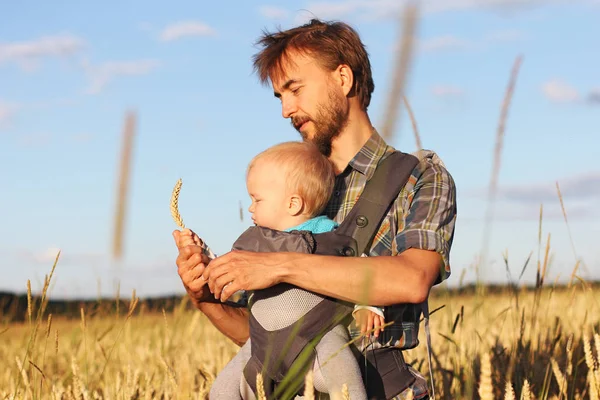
(13, 307)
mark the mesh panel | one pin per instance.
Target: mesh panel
(284, 309)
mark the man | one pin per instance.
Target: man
(321, 74)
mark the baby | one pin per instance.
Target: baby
(289, 185)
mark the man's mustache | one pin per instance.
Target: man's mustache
(298, 121)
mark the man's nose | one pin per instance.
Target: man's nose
(288, 107)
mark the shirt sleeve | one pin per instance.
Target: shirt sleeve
(376, 310)
(429, 223)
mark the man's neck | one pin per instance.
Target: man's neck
(345, 146)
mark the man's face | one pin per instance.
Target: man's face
(309, 96)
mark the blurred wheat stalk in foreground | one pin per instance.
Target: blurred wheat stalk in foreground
(123, 185)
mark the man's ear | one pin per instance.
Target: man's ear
(295, 205)
(344, 78)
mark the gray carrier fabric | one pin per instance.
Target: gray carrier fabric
(285, 320)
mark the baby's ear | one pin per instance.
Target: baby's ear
(295, 205)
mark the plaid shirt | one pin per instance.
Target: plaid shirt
(422, 217)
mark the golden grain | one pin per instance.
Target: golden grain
(179, 352)
(486, 390)
(175, 205)
(309, 393)
(260, 387)
(526, 393)
(509, 393)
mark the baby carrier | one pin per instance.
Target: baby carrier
(285, 354)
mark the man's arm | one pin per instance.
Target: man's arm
(423, 246)
(191, 263)
(380, 281)
(230, 321)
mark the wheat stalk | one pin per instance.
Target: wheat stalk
(29, 301)
(413, 121)
(564, 213)
(400, 72)
(587, 350)
(591, 364)
(486, 390)
(123, 184)
(560, 377)
(509, 393)
(309, 393)
(569, 369)
(526, 393)
(260, 387)
(175, 205)
(597, 344)
(496, 165)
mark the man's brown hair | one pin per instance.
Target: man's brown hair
(330, 43)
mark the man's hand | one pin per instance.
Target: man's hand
(245, 270)
(191, 263)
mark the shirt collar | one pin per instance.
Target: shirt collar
(367, 158)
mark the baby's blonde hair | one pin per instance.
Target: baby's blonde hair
(308, 173)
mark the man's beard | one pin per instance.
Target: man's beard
(331, 119)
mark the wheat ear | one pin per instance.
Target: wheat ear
(175, 205)
(486, 390)
(260, 387)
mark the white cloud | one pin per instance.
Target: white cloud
(583, 186)
(509, 35)
(328, 10)
(41, 256)
(559, 91)
(27, 53)
(452, 42)
(447, 91)
(67, 257)
(103, 74)
(182, 29)
(273, 12)
(83, 137)
(7, 111)
(447, 42)
(370, 9)
(35, 139)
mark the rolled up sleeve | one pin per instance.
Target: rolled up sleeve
(430, 220)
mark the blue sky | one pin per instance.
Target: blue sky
(70, 71)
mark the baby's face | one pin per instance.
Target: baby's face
(267, 190)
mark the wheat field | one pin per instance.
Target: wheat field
(488, 343)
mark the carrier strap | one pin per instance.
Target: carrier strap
(379, 194)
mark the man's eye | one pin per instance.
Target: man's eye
(296, 90)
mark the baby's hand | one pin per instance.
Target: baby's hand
(368, 320)
(189, 238)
